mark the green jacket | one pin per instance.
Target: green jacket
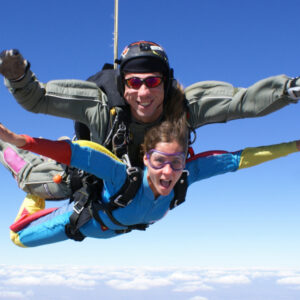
(208, 102)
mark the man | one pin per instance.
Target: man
(145, 80)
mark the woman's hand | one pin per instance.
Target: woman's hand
(10, 137)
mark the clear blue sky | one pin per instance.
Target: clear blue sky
(247, 219)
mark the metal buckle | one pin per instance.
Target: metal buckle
(175, 203)
(116, 202)
(119, 139)
(79, 209)
(132, 170)
(187, 172)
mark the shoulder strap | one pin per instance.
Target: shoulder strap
(180, 190)
(128, 190)
(106, 80)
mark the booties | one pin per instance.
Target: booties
(32, 208)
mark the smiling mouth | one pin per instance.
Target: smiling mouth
(144, 104)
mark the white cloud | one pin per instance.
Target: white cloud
(139, 283)
(190, 287)
(289, 280)
(288, 273)
(50, 278)
(183, 276)
(198, 298)
(231, 279)
(180, 280)
(263, 274)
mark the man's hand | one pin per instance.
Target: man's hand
(293, 89)
(12, 64)
(10, 137)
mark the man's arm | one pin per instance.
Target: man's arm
(78, 100)
(63, 98)
(217, 102)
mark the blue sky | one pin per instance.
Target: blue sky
(243, 220)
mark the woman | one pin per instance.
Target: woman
(165, 149)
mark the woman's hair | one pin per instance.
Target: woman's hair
(167, 132)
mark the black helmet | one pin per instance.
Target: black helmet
(144, 57)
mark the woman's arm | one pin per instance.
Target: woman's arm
(208, 165)
(253, 156)
(88, 156)
(10, 137)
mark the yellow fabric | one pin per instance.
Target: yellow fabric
(97, 147)
(32, 204)
(254, 156)
(15, 239)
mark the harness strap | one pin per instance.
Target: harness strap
(94, 212)
(97, 205)
(82, 198)
(118, 139)
(128, 190)
(180, 190)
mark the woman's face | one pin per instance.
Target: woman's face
(163, 180)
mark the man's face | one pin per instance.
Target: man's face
(146, 104)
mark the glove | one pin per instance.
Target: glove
(12, 64)
(293, 89)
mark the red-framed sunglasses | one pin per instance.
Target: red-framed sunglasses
(150, 82)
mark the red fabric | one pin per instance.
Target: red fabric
(26, 219)
(57, 150)
(207, 153)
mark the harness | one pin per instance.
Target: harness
(117, 136)
(88, 202)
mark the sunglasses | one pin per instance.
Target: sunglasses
(150, 82)
(157, 160)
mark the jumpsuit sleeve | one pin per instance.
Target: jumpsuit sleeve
(88, 156)
(217, 102)
(251, 157)
(202, 167)
(78, 100)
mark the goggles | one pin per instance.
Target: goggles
(157, 160)
(150, 82)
